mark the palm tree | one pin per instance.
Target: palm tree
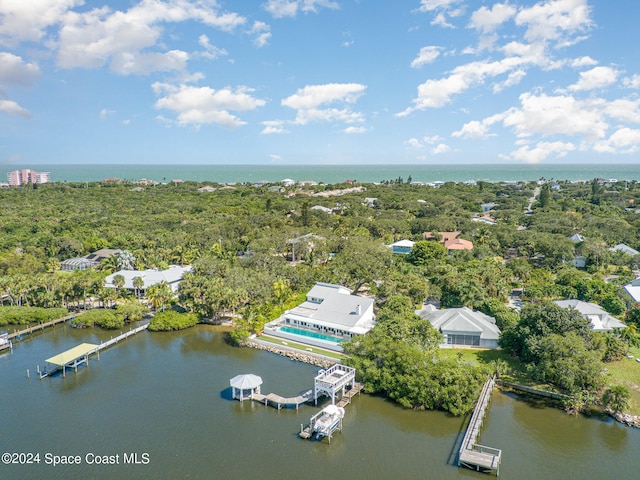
(617, 398)
(138, 284)
(159, 294)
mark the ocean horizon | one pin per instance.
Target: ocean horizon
(332, 173)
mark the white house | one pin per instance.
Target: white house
(329, 316)
(172, 276)
(402, 247)
(601, 321)
(462, 326)
(633, 289)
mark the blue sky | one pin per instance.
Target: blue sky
(319, 82)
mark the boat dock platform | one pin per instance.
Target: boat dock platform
(18, 334)
(79, 354)
(471, 454)
(324, 423)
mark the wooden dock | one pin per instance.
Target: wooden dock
(349, 394)
(19, 333)
(471, 454)
(278, 401)
(78, 355)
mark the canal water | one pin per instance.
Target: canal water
(158, 406)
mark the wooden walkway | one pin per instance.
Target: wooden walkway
(471, 454)
(19, 333)
(279, 401)
(349, 394)
(73, 361)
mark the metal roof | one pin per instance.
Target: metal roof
(247, 381)
(73, 353)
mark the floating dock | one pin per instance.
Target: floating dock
(79, 354)
(471, 454)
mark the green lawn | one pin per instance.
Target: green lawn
(627, 372)
(517, 371)
(303, 348)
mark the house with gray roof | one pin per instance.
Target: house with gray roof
(172, 276)
(622, 248)
(633, 289)
(601, 321)
(329, 316)
(462, 327)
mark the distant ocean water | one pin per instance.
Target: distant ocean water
(333, 173)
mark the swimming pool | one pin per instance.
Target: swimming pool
(308, 333)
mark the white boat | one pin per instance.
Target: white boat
(328, 420)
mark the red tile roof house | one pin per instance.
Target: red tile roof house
(450, 240)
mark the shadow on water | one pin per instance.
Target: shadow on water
(452, 459)
(227, 394)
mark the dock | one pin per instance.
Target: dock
(337, 382)
(471, 454)
(279, 402)
(78, 355)
(19, 333)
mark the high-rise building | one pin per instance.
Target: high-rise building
(25, 176)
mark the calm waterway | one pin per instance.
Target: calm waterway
(166, 395)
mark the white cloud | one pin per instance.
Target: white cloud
(308, 100)
(488, 20)
(211, 51)
(624, 140)
(632, 82)
(27, 20)
(355, 130)
(104, 113)
(623, 110)
(585, 61)
(473, 129)
(12, 108)
(204, 105)
(437, 93)
(542, 151)
(15, 71)
(100, 36)
(273, 127)
(426, 55)
(430, 5)
(289, 8)
(262, 31)
(414, 143)
(556, 115)
(441, 148)
(555, 20)
(597, 77)
(514, 78)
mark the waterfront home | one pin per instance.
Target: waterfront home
(329, 316)
(88, 261)
(601, 321)
(402, 247)
(633, 289)
(172, 276)
(462, 326)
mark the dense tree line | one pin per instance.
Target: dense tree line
(255, 252)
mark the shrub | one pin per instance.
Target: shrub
(172, 320)
(26, 315)
(107, 319)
